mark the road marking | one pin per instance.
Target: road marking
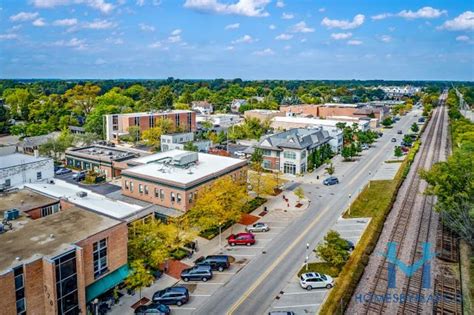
(226, 273)
(199, 295)
(245, 255)
(297, 241)
(303, 292)
(182, 308)
(301, 305)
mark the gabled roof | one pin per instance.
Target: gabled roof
(297, 138)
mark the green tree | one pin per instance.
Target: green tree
(190, 146)
(257, 158)
(134, 133)
(18, 100)
(398, 152)
(82, 98)
(139, 276)
(299, 192)
(333, 249)
(152, 136)
(163, 99)
(331, 169)
(346, 153)
(414, 127)
(56, 147)
(387, 122)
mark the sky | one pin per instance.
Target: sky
(248, 39)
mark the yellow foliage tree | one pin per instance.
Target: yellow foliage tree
(262, 183)
(152, 136)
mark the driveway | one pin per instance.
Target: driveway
(102, 189)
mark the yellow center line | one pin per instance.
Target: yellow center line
(296, 241)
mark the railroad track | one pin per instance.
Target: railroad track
(380, 285)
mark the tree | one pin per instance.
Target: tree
(134, 133)
(398, 152)
(55, 147)
(257, 158)
(331, 169)
(218, 203)
(415, 127)
(163, 99)
(346, 153)
(262, 183)
(82, 98)
(190, 146)
(333, 249)
(18, 100)
(407, 139)
(387, 122)
(139, 276)
(299, 192)
(152, 136)
(86, 139)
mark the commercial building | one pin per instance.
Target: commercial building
(263, 114)
(178, 140)
(31, 144)
(202, 107)
(289, 122)
(59, 263)
(29, 202)
(172, 179)
(116, 125)
(329, 110)
(220, 120)
(109, 161)
(288, 151)
(17, 169)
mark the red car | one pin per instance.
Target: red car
(241, 239)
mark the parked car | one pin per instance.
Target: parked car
(400, 132)
(380, 134)
(258, 227)
(406, 144)
(349, 245)
(62, 171)
(421, 119)
(154, 308)
(217, 262)
(172, 296)
(241, 239)
(314, 280)
(365, 146)
(281, 313)
(199, 272)
(331, 181)
(394, 140)
(79, 176)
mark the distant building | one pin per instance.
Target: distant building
(109, 161)
(172, 179)
(17, 169)
(30, 144)
(34, 205)
(117, 125)
(60, 263)
(76, 130)
(303, 122)
(288, 151)
(202, 107)
(398, 91)
(178, 140)
(263, 114)
(236, 104)
(220, 120)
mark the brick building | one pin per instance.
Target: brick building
(172, 179)
(32, 204)
(58, 263)
(116, 125)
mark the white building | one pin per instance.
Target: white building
(289, 122)
(220, 120)
(235, 105)
(178, 140)
(17, 169)
(202, 107)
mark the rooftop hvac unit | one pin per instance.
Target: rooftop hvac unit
(11, 214)
(81, 194)
(185, 158)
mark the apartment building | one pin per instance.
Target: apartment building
(172, 179)
(116, 125)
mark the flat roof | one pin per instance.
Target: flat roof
(102, 153)
(93, 201)
(207, 166)
(313, 121)
(49, 236)
(16, 159)
(174, 111)
(341, 105)
(24, 200)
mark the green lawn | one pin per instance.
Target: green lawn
(373, 200)
(320, 267)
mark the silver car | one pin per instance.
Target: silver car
(258, 227)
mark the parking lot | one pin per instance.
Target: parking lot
(103, 188)
(296, 299)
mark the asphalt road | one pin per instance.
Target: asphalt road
(254, 288)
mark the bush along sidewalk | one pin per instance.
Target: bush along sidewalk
(375, 201)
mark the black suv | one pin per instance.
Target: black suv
(217, 262)
(202, 273)
(172, 296)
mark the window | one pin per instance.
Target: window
(177, 120)
(190, 197)
(66, 283)
(38, 175)
(151, 121)
(20, 290)
(162, 194)
(140, 188)
(303, 154)
(172, 197)
(146, 190)
(114, 122)
(8, 182)
(100, 258)
(289, 168)
(157, 192)
(189, 122)
(289, 155)
(267, 164)
(137, 121)
(49, 210)
(131, 186)
(267, 152)
(126, 184)
(178, 197)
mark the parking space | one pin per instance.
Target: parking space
(102, 189)
(293, 297)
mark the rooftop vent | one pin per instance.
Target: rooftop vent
(185, 158)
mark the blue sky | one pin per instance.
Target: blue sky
(249, 39)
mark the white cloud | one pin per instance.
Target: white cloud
(301, 27)
(232, 26)
(174, 38)
(287, 16)
(99, 25)
(386, 38)
(287, 47)
(65, 22)
(115, 41)
(391, 29)
(322, 10)
(141, 3)
(464, 21)
(280, 4)
(8, 36)
(75, 43)
(100, 5)
(251, 8)
(357, 21)
(381, 16)
(146, 28)
(100, 61)
(284, 37)
(463, 38)
(247, 39)
(156, 45)
(272, 26)
(39, 22)
(230, 48)
(423, 13)
(339, 36)
(176, 32)
(24, 16)
(354, 42)
(264, 52)
(303, 40)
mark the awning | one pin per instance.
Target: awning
(106, 283)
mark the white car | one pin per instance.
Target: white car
(258, 227)
(313, 280)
